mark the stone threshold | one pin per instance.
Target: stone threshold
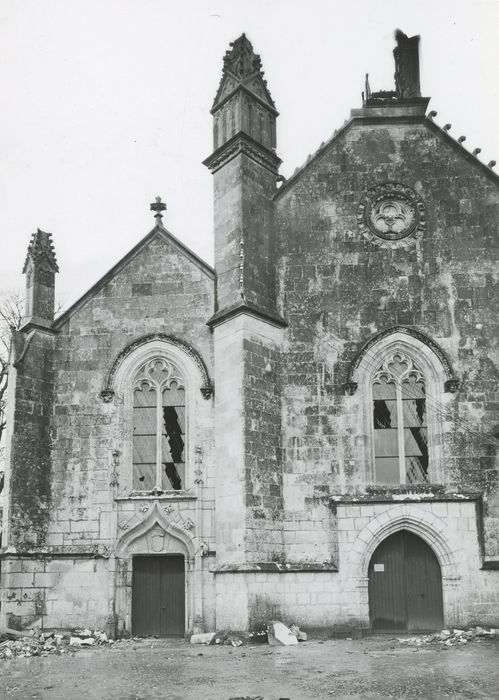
(436, 496)
(59, 552)
(167, 496)
(275, 568)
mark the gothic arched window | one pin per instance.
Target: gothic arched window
(158, 427)
(399, 421)
(398, 385)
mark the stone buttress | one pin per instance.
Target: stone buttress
(247, 328)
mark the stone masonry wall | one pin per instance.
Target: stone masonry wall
(249, 476)
(338, 287)
(338, 601)
(62, 491)
(50, 593)
(244, 235)
(158, 292)
(30, 477)
(263, 453)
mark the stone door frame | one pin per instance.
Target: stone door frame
(429, 528)
(156, 535)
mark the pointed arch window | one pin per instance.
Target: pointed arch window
(159, 416)
(400, 421)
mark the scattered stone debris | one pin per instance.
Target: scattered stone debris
(35, 643)
(227, 637)
(259, 637)
(276, 634)
(203, 638)
(280, 635)
(449, 638)
(299, 634)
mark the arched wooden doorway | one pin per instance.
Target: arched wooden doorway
(405, 585)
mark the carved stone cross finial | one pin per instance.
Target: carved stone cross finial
(158, 206)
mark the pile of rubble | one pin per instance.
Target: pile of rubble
(35, 643)
(86, 638)
(276, 634)
(448, 638)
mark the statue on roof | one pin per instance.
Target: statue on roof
(406, 55)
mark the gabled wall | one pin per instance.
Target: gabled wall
(67, 451)
(338, 287)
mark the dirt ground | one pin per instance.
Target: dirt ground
(374, 667)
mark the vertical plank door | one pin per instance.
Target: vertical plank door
(158, 596)
(405, 585)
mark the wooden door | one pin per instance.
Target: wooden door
(158, 596)
(405, 585)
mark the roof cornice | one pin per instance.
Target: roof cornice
(380, 120)
(238, 309)
(242, 143)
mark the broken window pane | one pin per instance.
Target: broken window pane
(414, 411)
(415, 433)
(144, 438)
(416, 470)
(173, 437)
(416, 455)
(385, 414)
(144, 477)
(399, 415)
(172, 476)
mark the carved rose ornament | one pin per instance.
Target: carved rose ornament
(391, 212)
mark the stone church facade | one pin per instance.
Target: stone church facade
(307, 432)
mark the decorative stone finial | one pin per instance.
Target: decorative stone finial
(242, 67)
(40, 268)
(158, 206)
(41, 247)
(461, 139)
(241, 60)
(476, 151)
(447, 127)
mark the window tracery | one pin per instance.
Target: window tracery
(400, 422)
(399, 383)
(159, 429)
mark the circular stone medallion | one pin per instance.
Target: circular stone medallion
(392, 212)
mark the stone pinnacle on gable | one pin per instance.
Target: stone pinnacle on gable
(242, 67)
(41, 247)
(241, 60)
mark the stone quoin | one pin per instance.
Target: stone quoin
(308, 432)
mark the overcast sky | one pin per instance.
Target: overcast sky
(105, 104)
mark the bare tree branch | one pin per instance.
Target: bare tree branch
(11, 314)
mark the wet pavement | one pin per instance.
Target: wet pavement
(150, 669)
